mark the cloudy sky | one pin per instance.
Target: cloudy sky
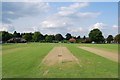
(77, 18)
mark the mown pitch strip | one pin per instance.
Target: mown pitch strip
(59, 55)
(106, 54)
(58, 58)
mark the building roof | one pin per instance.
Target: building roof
(72, 40)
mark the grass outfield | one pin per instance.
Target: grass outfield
(24, 60)
(94, 65)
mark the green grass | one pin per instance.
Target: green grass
(109, 47)
(24, 60)
(94, 65)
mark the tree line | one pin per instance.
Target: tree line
(95, 36)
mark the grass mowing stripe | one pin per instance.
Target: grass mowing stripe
(13, 46)
(25, 62)
(94, 64)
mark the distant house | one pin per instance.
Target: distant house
(72, 40)
(16, 40)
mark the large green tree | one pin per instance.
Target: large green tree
(68, 36)
(109, 39)
(49, 38)
(38, 37)
(96, 36)
(84, 37)
(27, 36)
(117, 38)
(78, 37)
(6, 36)
(15, 34)
(58, 37)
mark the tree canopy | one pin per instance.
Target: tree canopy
(6, 36)
(38, 37)
(49, 38)
(96, 36)
(109, 39)
(27, 36)
(117, 38)
(58, 37)
(68, 36)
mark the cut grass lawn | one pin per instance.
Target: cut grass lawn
(24, 60)
(94, 64)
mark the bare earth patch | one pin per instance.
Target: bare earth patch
(59, 55)
(109, 55)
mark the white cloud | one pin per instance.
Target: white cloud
(10, 12)
(68, 19)
(55, 22)
(18, 10)
(115, 26)
(49, 24)
(66, 13)
(98, 26)
(88, 14)
(74, 10)
(35, 28)
(79, 5)
(68, 16)
(74, 6)
(7, 27)
(76, 30)
(28, 30)
(71, 9)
